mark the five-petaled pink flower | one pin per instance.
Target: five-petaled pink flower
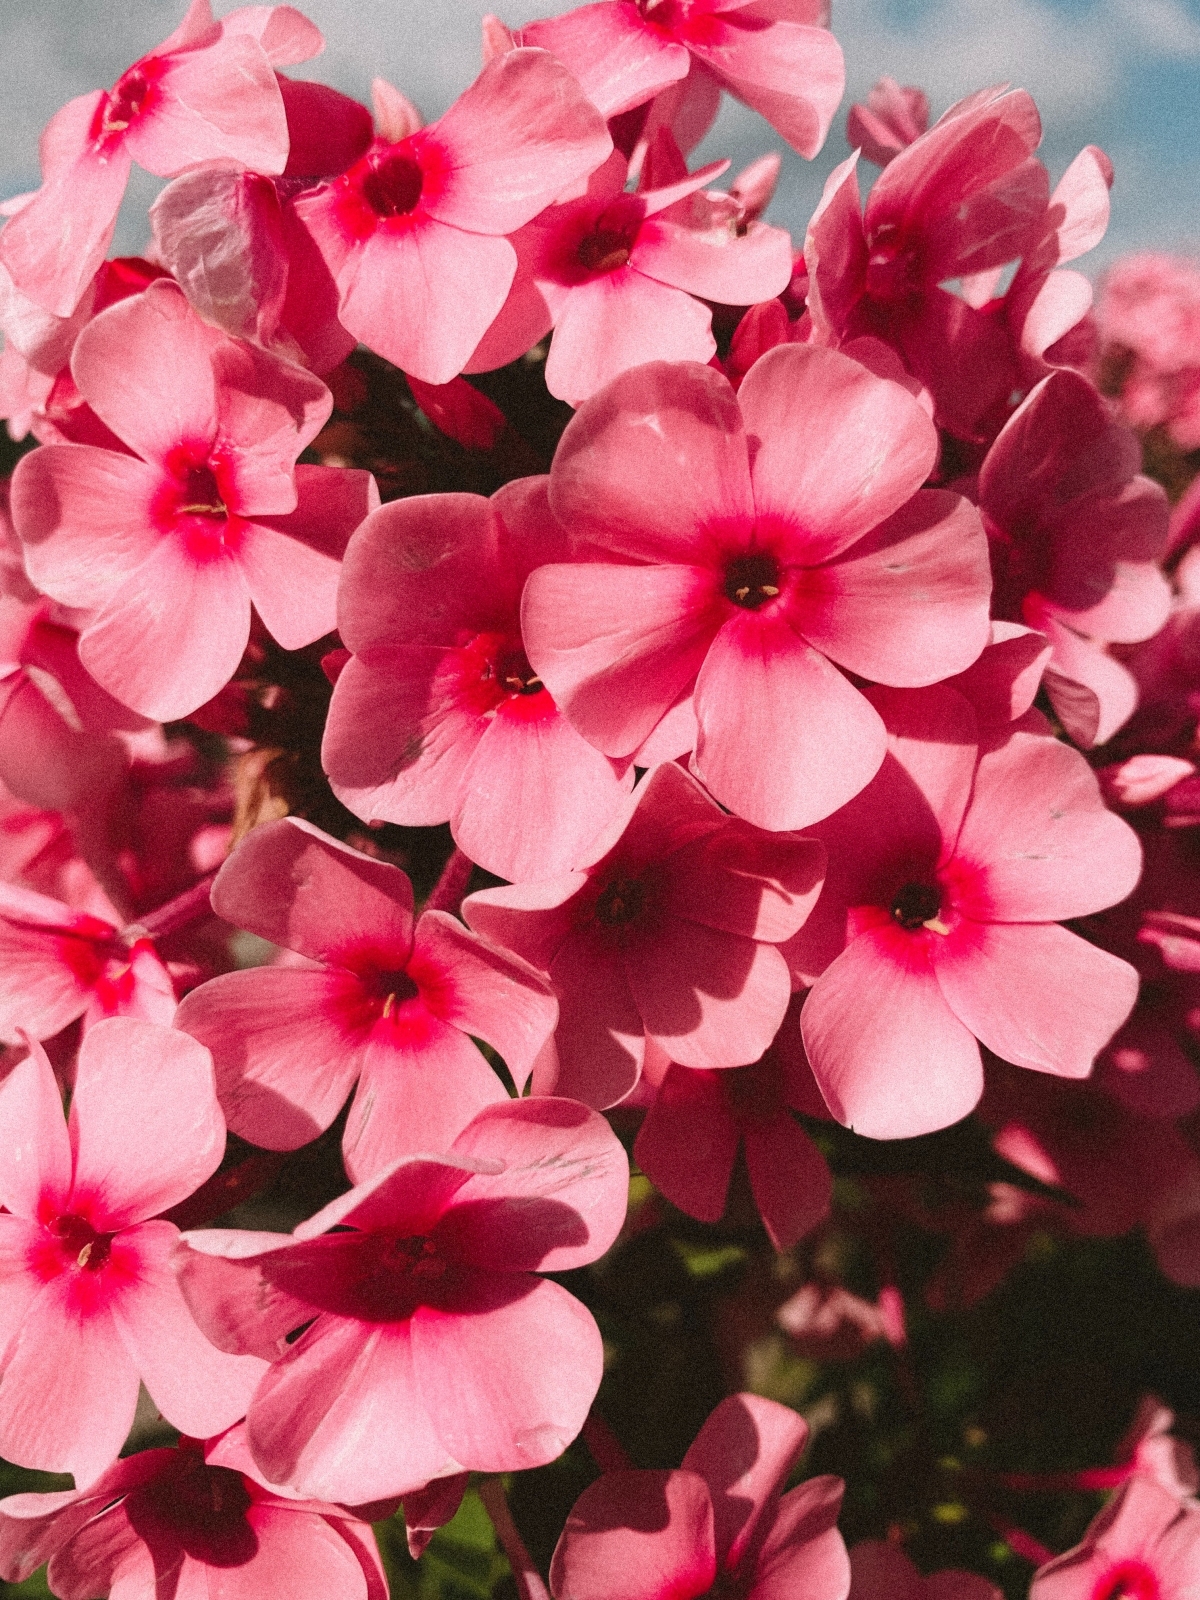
(1144, 1545)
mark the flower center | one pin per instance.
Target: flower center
(393, 185)
(893, 270)
(604, 250)
(205, 1507)
(916, 905)
(201, 495)
(511, 672)
(752, 579)
(395, 989)
(1129, 1580)
(78, 1238)
(127, 99)
(620, 902)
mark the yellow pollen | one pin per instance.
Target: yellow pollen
(742, 593)
(935, 926)
(389, 1005)
(81, 1259)
(217, 510)
(769, 589)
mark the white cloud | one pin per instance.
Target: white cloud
(1158, 27)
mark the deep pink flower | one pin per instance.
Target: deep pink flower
(665, 934)
(429, 1347)
(413, 232)
(889, 122)
(881, 1571)
(88, 1299)
(1075, 533)
(437, 716)
(1145, 1545)
(1148, 318)
(166, 548)
(742, 579)
(775, 56)
(379, 1000)
(177, 1518)
(621, 279)
(947, 877)
(721, 1521)
(691, 1134)
(207, 94)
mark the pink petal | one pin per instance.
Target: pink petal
(532, 919)
(651, 492)
(789, 1177)
(803, 1550)
(515, 140)
(286, 36)
(715, 263)
(1093, 695)
(908, 603)
(710, 999)
(617, 645)
(292, 884)
(285, 1060)
(1003, 682)
(145, 1126)
(1038, 838)
(19, 1286)
(618, 61)
(559, 1201)
(69, 1389)
(314, 1556)
(172, 635)
(35, 1152)
(619, 321)
(934, 737)
(220, 103)
(600, 1039)
(688, 1141)
(341, 1417)
(243, 1304)
(790, 74)
(784, 739)
(415, 1097)
(905, 1064)
(534, 796)
(272, 409)
(841, 449)
(83, 515)
(744, 1453)
(198, 1388)
(645, 1535)
(746, 882)
(145, 368)
(1035, 994)
(503, 1411)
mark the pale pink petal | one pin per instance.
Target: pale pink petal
(243, 1304)
(908, 603)
(314, 1556)
(600, 1039)
(504, 1412)
(284, 1055)
(792, 75)
(617, 645)
(1036, 994)
(688, 1141)
(784, 739)
(513, 142)
(273, 409)
(35, 1151)
(559, 1201)
(841, 449)
(534, 795)
(532, 919)
(294, 885)
(716, 263)
(934, 737)
(198, 1388)
(1003, 682)
(145, 1127)
(747, 882)
(1038, 840)
(1093, 695)
(415, 1096)
(172, 635)
(619, 321)
(789, 1177)
(342, 1416)
(647, 466)
(618, 61)
(1082, 195)
(803, 1550)
(19, 1287)
(83, 515)
(220, 103)
(645, 1535)
(903, 1065)
(68, 1390)
(285, 34)
(744, 1453)
(710, 999)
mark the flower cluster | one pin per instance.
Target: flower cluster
(747, 720)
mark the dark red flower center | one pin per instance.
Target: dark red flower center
(916, 904)
(1129, 1580)
(621, 901)
(392, 185)
(393, 990)
(79, 1239)
(752, 579)
(204, 1507)
(605, 249)
(201, 495)
(510, 671)
(132, 94)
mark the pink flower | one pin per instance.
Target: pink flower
(437, 716)
(1075, 533)
(666, 935)
(880, 1571)
(378, 1000)
(207, 94)
(413, 232)
(621, 279)
(741, 580)
(168, 546)
(57, 964)
(778, 58)
(1148, 317)
(88, 1300)
(690, 1137)
(428, 1347)
(179, 1520)
(721, 1521)
(1144, 1544)
(889, 122)
(947, 875)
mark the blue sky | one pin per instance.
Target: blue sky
(1124, 74)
